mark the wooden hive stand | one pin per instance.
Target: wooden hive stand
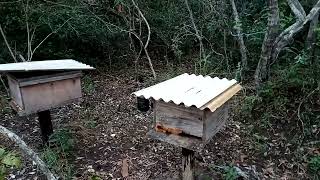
(188, 111)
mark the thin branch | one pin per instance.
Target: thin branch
(145, 45)
(238, 28)
(28, 151)
(8, 46)
(147, 54)
(53, 32)
(28, 31)
(297, 9)
(299, 107)
(194, 27)
(145, 20)
(4, 85)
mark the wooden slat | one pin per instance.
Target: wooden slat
(48, 78)
(22, 112)
(187, 120)
(222, 99)
(214, 121)
(187, 142)
(50, 95)
(15, 92)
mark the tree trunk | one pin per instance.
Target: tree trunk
(311, 38)
(262, 71)
(273, 45)
(238, 28)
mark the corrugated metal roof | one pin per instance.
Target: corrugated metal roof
(190, 90)
(48, 65)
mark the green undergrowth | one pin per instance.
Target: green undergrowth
(314, 166)
(288, 105)
(88, 84)
(58, 153)
(8, 160)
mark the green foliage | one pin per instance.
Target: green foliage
(314, 166)
(230, 173)
(8, 160)
(95, 177)
(4, 105)
(58, 154)
(88, 84)
(63, 139)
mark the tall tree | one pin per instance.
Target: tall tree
(239, 35)
(275, 42)
(262, 71)
(312, 35)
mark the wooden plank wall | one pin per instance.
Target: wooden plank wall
(214, 121)
(50, 95)
(15, 92)
(179, 118)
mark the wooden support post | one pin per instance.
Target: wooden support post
(45, 125)
(188, 164)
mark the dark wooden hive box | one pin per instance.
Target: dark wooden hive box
(32, 92)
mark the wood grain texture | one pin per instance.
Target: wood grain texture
(187, 120)
(188, 142)
(214, 121)
(222, 99)
(48, 78)
(50, 95)
(15, 92)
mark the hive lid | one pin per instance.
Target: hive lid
(191, 90)
(48, 65)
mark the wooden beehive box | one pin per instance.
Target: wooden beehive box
(189, 110)
(43, 85)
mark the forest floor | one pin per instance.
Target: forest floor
(109, 136)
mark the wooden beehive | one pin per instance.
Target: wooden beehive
(189, 119)
(43, 85)
(43, 92)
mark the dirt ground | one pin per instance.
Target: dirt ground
(108, 130)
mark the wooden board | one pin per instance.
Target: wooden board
(181, 119)
(50, 95)
(187, 142)
(15, 92)
(222, 98)
(214, 121)
(35, 92)
(48, 78)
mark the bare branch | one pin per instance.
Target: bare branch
(287, 35)
(145, 45)
(7, 44)
(195, 27)
(311, 37)
(243, 49)
(28, 151)
(53, 32)
(297, 9)
(147, 54)
(145, 20)
(4, 85)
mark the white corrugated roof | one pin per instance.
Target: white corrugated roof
(190, 90)
(48, 65)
